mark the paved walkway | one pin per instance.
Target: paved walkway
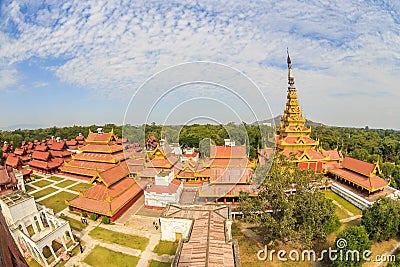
(129, 223)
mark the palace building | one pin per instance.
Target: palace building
(100, 153)
(102, 161)
(293, 136)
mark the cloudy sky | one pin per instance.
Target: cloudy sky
(80, 62)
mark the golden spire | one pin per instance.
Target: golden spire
(290, 73)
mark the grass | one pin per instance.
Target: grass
(57, 202)
(75, 224)
(132, 241)
(30, 230)
(249, 248)
(29, 188)
(347, 205)
(154, 263)
(166, 247)
(44, 192)
(381, 248)
(55, 178)
(81, 187)
(36, 176)
(101, 256)
(42, 183)
(65, 183)
(32, 263)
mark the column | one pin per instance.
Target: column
(71, 235)
(52, 252)
(41, 256)
(34, 225)
(63, 243)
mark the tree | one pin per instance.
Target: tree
(395, 263)
(354, 238)
(382, 219)
(387, 169)
(301, 217)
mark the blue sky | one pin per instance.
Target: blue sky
(80, 62)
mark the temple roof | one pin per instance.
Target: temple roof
(169, 189)
(228, 152)
(7, 176)
(102, 148)
(105, 200)
(13, 161)
(112, 175)
(359, 166)
(41, 155)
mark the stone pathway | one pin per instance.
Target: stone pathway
(350, 219)
(128, 223)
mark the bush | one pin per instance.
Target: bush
(105, 220)
(70, 208)
(84, 214)
(93, 216)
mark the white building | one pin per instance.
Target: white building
(190, 154)
(163, 191)
(35, 228)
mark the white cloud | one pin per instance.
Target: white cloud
(112, 48)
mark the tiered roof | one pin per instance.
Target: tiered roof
(360, 173)
(103, 160)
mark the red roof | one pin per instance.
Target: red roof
(86, 156)
(297, 140)
(229, 162)
(60, 154)
(359, 166)
(170, 189)
(49, 165)
(228, 152)
(41, 155)
(19, 151)
(113, 175)
(7, 177)
(41, 148)
(13, 161)
(96, 137)
(26, 172)
(58, 146)
(101, 148)
(333, 154)
(71, 142)
(80, 138)
(107, 200)
(370, 183)
(100, 166)
(77, 170)
(231, 175)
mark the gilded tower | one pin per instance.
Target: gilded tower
(293, 134)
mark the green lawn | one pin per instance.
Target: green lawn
(75, 224)
(166, 247)
(55, 178)
(36, 176)
(81, 187)
(132, 241)
(32, 263)
(65, 183)
(347, 205)
(57, 202)
(101, 256)
(154, 263)
(44, 192)
(42, 183)
(29, 188)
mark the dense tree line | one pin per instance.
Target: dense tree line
(187, 135)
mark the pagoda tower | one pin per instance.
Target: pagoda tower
(293, 134)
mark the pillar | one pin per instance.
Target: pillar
(71, 235)
(52, 252)
(63, 243)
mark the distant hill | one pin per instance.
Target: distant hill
(276, 121)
